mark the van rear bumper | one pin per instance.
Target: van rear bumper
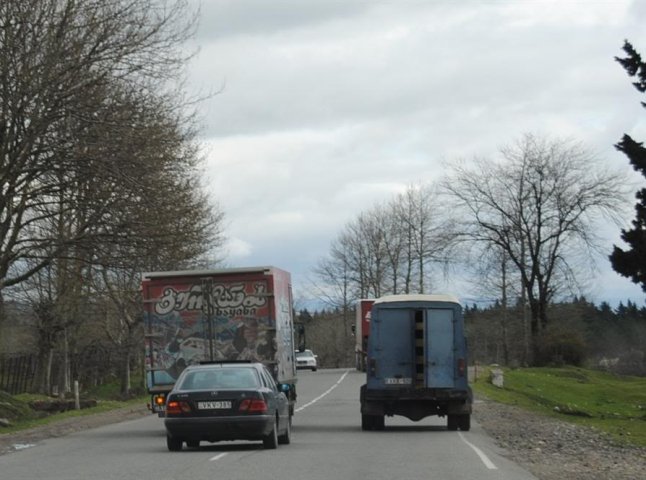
(416, 403)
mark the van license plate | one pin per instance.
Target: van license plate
(398, 381)
(213, 405)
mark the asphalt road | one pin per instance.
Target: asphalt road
(327, 443)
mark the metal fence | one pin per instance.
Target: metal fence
(17, 373)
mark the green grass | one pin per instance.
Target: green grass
(30, 421)
(16, 408)
(613, 404)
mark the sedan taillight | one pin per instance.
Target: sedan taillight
(176, 408)
(253, 405)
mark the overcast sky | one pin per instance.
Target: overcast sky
(328, 107)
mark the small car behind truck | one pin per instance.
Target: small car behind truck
(416, 362)
(226, 401)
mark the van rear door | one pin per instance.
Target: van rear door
(440, 362)
(392, 350)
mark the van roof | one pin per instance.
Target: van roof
(418, 298)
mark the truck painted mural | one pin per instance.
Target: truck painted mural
(361, 331)
(233, 314)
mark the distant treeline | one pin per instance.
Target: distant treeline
(579, 333)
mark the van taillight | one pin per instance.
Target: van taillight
(461, 366)
(253, 405)
(372, 367)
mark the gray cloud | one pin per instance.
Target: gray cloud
(232, 18)
(331, 106)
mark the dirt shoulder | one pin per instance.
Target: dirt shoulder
(11, 442)
(553, 449)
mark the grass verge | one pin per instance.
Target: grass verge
(611, 403)
(16, 409)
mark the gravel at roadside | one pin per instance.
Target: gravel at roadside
(553, 449)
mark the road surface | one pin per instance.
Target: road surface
(327, 443)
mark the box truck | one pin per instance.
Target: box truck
(238, 314)
(362, 331)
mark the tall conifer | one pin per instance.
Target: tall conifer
(631, 263)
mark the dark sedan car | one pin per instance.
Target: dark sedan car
(226, 401)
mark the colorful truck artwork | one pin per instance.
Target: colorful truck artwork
(217, 315)
(361, 331)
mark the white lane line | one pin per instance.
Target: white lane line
(324, 393)
(488, 463)
(217, 457)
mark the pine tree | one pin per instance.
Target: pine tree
(631, 263)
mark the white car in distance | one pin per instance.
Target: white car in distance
(306, 360)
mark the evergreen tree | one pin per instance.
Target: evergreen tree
(631, 263)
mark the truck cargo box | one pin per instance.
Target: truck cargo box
(361, 331)
(217, 315)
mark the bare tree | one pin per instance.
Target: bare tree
(540, 204)
(495, 277)
(99, 165)
(424, 234)
(59, 63)
(385, 250)
(334, 273)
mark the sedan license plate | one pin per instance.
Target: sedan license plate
(213, 405)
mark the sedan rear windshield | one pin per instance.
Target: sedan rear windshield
(220, 378)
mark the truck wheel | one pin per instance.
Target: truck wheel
(452, 422)
(366, 422)
(174, 444)
(465, 422)
(378, 422)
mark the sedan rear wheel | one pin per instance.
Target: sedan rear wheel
(270, 442)
(174, 444)
(286, 438)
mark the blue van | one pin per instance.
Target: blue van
(417, 362)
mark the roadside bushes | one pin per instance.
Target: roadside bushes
(560, 345)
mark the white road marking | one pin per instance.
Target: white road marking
(217, 457)
(488, 463)
(22, 446)
(324, 393)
